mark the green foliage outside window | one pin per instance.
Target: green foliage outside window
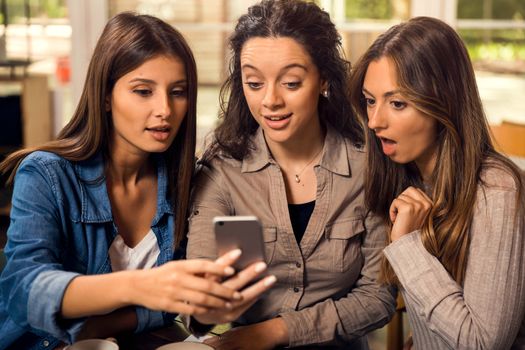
(17, 11)
(370, 9)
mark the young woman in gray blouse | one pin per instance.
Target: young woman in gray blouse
(456, 206)
(287, 151)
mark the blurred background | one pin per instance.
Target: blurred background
(45, 47)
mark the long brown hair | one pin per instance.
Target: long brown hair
(127, 41)
(434, 72)
(311, 27)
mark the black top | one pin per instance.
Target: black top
(300, 215)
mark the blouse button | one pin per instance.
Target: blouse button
(295, 289)
(298, 264)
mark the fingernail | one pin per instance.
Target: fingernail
(228, 270)
(260, 267)
(228, 305)
(237, 296)
(270, 280)
(234, 254)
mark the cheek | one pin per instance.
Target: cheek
(252, 101)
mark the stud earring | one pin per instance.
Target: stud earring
(325, 93)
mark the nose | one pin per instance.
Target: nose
(272, 98)
(376, 117)
(162, 107)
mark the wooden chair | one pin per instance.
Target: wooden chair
(509, 138)
(394, 335)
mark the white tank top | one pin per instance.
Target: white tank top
(143, 256)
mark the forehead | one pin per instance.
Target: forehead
(381, 75)
(163, 66)
(276, 52)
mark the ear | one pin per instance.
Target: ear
(324, 85)
(325, 92)
(107, 103)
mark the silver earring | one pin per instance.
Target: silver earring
(325, 93)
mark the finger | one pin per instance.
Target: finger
(254, 291)
(203, 299)
(199, 284)
(182, 307)
(425, 196)
(212, 341)
(416, 194)
(416, 200)
(229, 258)
(395, 208)
(245, 276)
(202, 266)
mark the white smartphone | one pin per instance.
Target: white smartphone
(243, 232)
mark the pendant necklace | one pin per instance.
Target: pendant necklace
(297, 176)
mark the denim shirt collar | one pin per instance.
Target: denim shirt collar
(96, 207)
(336, 156)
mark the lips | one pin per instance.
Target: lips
(160, 133)
(389, 145)
(277, 121)
(166, 128)
(275, 118)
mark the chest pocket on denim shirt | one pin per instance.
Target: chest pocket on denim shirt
(343, 244)
(270, 238)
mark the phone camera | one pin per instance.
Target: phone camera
(221, 223)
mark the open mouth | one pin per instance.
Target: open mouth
(159, 129)
(276, 118)
(387, 141)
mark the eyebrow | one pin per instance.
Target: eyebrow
(149, 81)
(386, 94)
(287, 67)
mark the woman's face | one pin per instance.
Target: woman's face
(148, 106)
(281, 85)
(405, 133)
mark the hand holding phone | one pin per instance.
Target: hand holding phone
(240, 232)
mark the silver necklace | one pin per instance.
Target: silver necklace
(297, 175)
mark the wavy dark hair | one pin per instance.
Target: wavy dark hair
(127, 41)
(434, 72)
(311, 27)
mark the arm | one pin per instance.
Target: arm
(488, 311)
(41, 295)
(368, 306)
(208, 200)
(33, 281)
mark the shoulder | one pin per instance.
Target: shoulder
(497, 176)
(44, 162)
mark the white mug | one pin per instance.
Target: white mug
(92, 344)
(186, 345)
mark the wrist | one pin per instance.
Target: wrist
(279, 331)
(126, 289)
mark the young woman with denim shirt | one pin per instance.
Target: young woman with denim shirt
(98, 214)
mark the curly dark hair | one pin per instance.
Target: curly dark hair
(311, 27)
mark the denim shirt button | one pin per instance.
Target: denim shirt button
(45, 343)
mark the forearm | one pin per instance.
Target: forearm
(119, 321)
(105, 293)
(333, 322)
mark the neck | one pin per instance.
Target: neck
(426, 165)
(300, 151)
(127, 169)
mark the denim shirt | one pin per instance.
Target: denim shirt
(61, 227)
